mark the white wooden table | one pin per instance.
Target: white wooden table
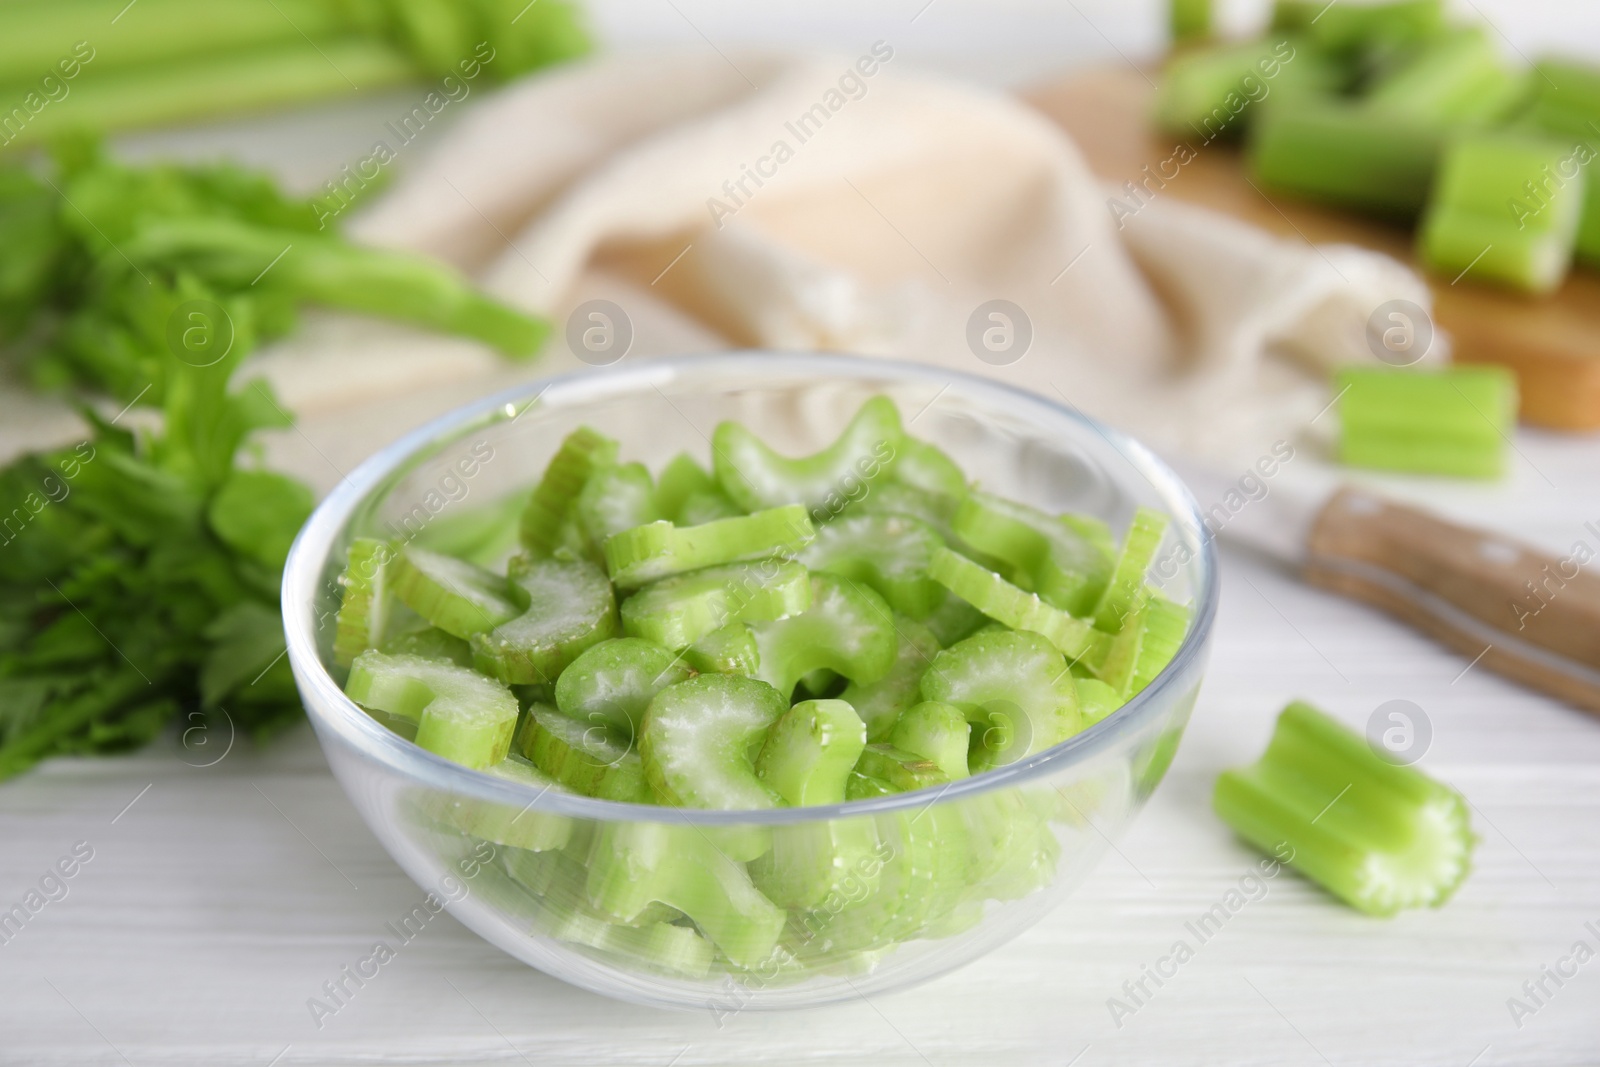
(218, 899)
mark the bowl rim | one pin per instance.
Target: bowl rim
(331, 710)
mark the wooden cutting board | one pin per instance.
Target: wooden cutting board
(1552, 343)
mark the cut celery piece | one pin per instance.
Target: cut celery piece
(1454, 421)
(847, 628)
(756, 477)
(1189, 20)
(730, 650)
(1127, 578)
(516, 826)
(862, 787)
(923, 857)
(954, 620)
(700, 738)
(1096, 700)
(1165, 625)
(680, 479)
(820, 684)
(903, 771)
(460, 714)
(1016, 690)
(416, 638)
(935, 509)
(457, 597)
(583, 452)
(678, 611)
(635, 864)
(924, 467)
(584, 758)
(1375, 834)
(886, 553)
(1348, 26)
(612, 683)
(705, 507)
(1041, 553)
(811, 862)
(485, 534)
(659, 550)
(880, 703)
(1006, 604)
(677, 950)
(810, 751)
(1150, 637)
(936, 732)
(569, 607)
(1499, 212)
(366, 603)
(1213, 91)
(1345, 154)
(1455, 77)
(615, 499)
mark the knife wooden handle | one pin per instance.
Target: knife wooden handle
(1528, 615)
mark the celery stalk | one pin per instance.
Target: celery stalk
(37, 33)
(212, 84)
(1375, 834)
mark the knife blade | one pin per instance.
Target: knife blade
(1524, 613)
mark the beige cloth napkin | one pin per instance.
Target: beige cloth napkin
(847, 203)
(841, 203)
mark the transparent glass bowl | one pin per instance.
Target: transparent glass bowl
(879, 894)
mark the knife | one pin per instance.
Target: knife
(1522, 612)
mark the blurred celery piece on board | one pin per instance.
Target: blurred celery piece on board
(1339, 152)
(1213, 92)
(1454, 421)
(1505, 208)
(177, 60)
(1454, 77)
(1346, 24)
(1568, 108)
(1189, 20)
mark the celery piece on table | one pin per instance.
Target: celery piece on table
(1454, 421)
(1502, 210)
(1375, 834)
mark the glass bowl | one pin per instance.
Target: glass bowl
(660, 906)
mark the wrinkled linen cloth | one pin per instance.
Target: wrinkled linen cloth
(847, 204)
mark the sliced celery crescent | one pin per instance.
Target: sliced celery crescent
(1375, 834)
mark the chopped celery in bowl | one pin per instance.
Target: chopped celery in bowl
(799, 677)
